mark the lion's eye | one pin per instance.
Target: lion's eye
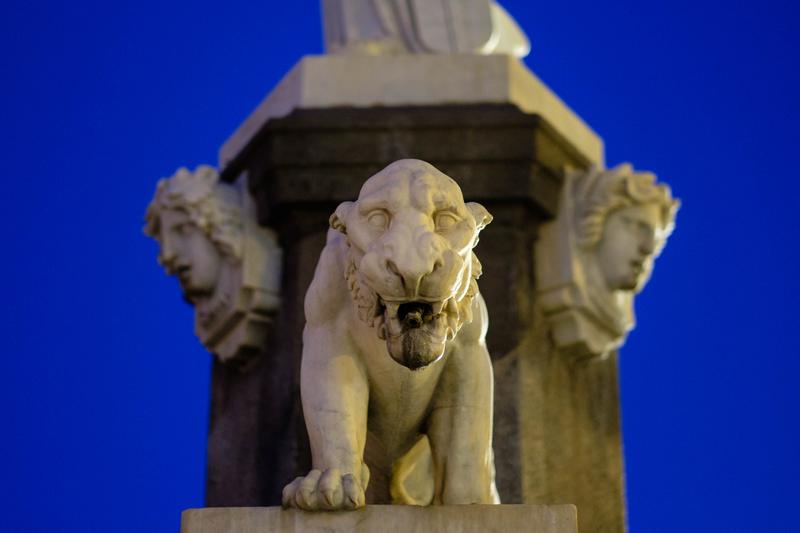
(378, 219)
(445, 220)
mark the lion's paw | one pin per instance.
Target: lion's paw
(327, 491)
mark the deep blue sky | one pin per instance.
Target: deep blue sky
(105, 389)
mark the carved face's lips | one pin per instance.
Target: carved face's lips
(416, 331)
(184, 273)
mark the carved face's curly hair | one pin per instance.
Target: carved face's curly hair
(212, 206)
(600, 192)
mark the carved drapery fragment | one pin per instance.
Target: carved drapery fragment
(599, 253)
(229, 268)
(421, 26)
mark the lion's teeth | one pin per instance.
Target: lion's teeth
(452, 307)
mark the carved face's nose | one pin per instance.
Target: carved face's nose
(647, 244)
(167, 254)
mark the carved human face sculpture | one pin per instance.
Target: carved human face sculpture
(626, 249)
(410, 238)
(187, 253)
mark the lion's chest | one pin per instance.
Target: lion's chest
(399, 398)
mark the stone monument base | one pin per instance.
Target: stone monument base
(385, 518)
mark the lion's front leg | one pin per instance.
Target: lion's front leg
(335, 396)
(460, 430)
(460, 424)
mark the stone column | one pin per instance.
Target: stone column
(563, 416)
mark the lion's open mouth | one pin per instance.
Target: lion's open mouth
(415, 314)
(416, 331)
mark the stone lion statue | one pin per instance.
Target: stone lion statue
(395, 370)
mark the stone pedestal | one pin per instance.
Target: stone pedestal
(557, 421)
(385, 518)
(506, 139)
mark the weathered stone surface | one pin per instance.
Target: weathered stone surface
(385, 518)
(364, 82)
(556, 426)
(495, 152)
(394, 348)
(569, 432)
(303, 165)
(257, 439)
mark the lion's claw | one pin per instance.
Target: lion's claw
(354, 497)
(330, 486)
(327, 491)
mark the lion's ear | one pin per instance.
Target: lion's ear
(480, 214)
(339, 216)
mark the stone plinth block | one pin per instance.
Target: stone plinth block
(385, 518)
(329, 82)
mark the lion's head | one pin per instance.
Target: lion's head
(410, 265)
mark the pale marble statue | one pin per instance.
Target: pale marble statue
(599, 254)
(421, 26)
(229, 268)
(395, 370)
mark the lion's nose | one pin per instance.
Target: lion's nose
(410, 277)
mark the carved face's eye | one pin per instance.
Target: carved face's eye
(378, 219)
(445, 220)
(639, 227)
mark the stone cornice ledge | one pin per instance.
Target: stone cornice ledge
(328, 81)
